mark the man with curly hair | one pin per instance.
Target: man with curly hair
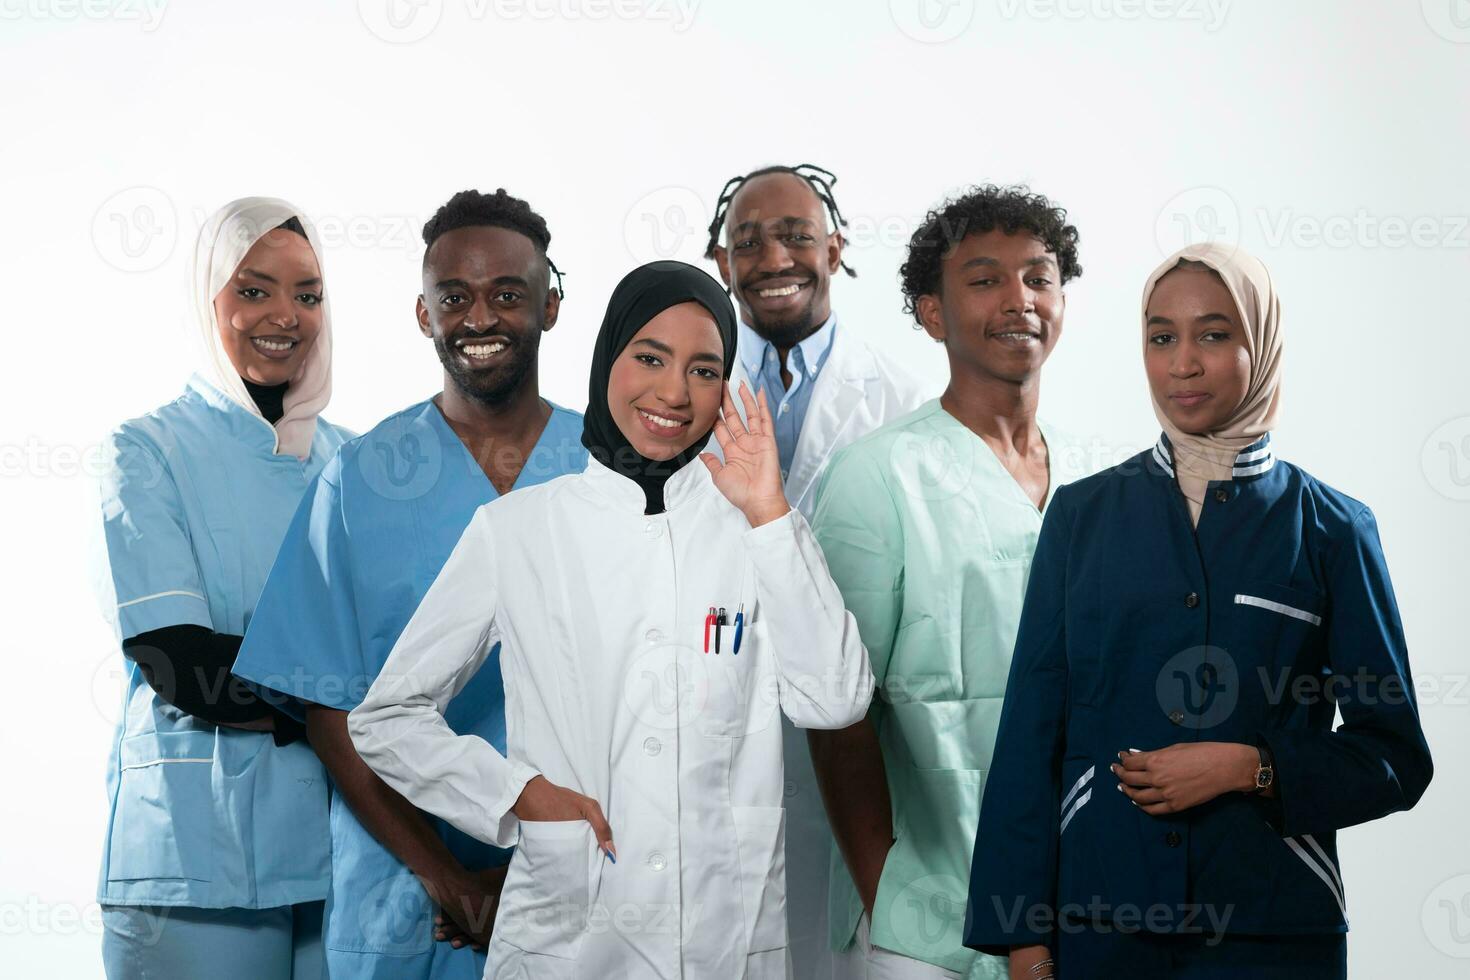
(928, 525)
(413, 898)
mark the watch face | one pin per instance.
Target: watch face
(1263, 777)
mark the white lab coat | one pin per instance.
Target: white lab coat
(857, 391)
(609, 692)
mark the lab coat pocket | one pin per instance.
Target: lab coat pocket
(760, 841)
(549, 887)
(163, 826)
(739, 699)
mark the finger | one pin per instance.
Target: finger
(1132, 777)
(711, 463)
(765, 406)
(1142, 795)
(1135, 761)
(1158, 809)
(754, 418)
(731, 416)
(723, 437)
(600, 828)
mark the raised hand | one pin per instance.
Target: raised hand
(750, 476)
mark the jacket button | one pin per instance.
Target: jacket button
(656, 861)
(654, 636)
(1221, 496)
(1192, 600)
(1176, 716)
(1172, 838)
(652, 746)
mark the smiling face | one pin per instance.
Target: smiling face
(666, 385)
(1000, 305)
(269, 313)
(485, 304)
(1195, 351)
(778, 257)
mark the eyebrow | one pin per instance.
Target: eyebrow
(257, 274)
(790, 220)
(497, 281)
(1164, 321)
(987, 260)
(664, 348)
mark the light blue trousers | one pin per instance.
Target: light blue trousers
(147, 942)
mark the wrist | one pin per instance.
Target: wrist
(765, 511)
(1256, 765)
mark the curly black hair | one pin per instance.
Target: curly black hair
(470, 208)
(977, 211)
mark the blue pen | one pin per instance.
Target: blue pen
(739, 627)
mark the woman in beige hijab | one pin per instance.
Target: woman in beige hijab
(1194, 620)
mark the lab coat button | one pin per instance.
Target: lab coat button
(652, 746)
(1221, 496)
(650, 527)
(656, 861)
(1177, 717)
(1192, 600)
(1172, 838)
(654, 636)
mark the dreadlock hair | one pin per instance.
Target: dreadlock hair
(469, 209)
(977, 211)
(819, 180)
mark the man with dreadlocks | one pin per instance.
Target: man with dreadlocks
(412, 897)
(782, 244)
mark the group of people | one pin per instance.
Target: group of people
(769, 663)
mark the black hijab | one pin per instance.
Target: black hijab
(643, 294)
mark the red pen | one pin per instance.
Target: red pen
(708, 622)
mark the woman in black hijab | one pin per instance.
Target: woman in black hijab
(654, 615)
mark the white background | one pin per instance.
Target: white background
(1329, 137)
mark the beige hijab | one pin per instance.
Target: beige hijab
(1198, 459)
(223, 241)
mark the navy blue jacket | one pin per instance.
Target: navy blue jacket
(1140, 632)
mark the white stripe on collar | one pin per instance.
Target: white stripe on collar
(1253, 460)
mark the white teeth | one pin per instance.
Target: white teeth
(1017, 336)
(660, 420)
(783, 291)
(482, 350)
(273, 344)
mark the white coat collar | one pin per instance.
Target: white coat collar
(627, 497)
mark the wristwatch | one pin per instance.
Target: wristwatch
(1265, 772)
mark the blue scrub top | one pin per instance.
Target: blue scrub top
(194, 504)
(365, 545)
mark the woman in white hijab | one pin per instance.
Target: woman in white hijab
(1194, 620)
(216, 858)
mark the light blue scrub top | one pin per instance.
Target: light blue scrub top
(366, 544)
(788, 405)
(194, 503)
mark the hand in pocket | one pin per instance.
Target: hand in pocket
(543, 801)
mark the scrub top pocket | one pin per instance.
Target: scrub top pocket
(164, 824)
(549, 888)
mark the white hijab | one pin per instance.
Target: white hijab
(223, 241)
(1201, 458)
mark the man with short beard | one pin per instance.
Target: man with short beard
(782, 243)
(366, 544)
